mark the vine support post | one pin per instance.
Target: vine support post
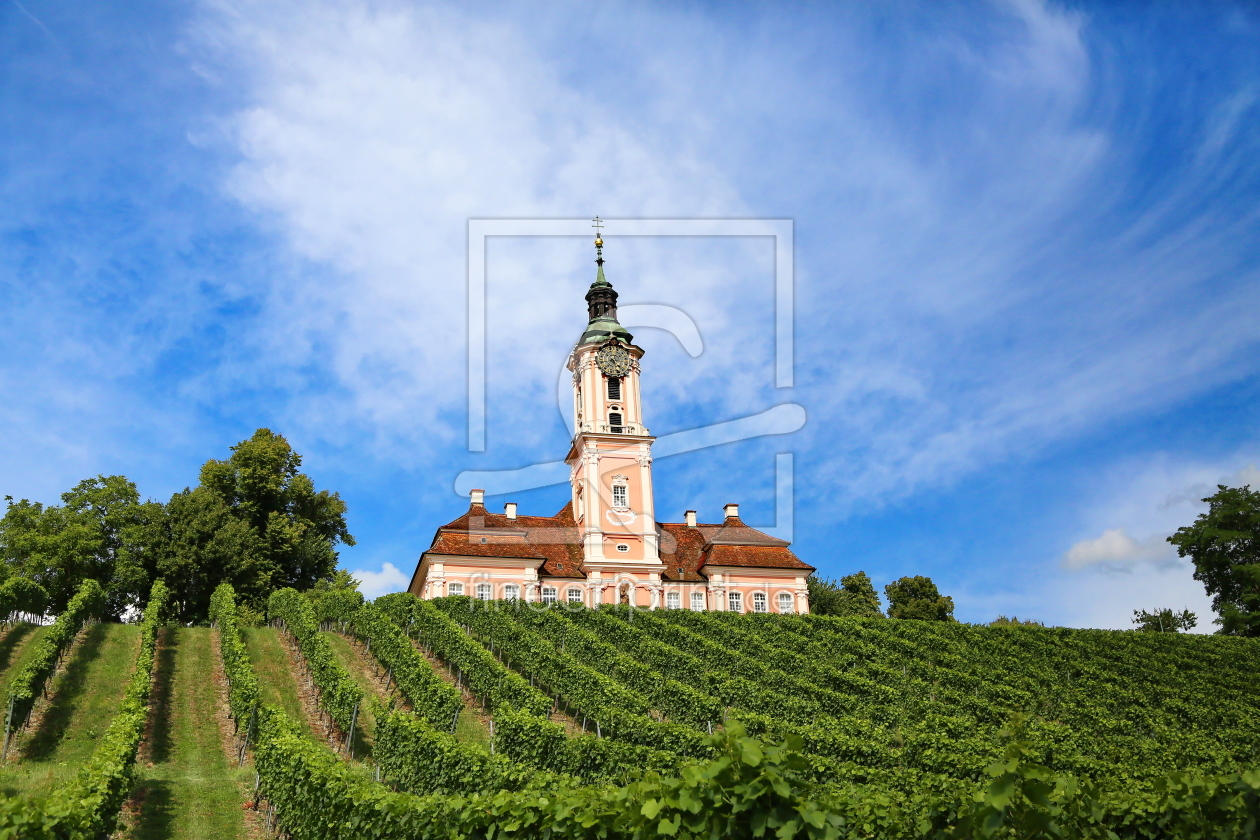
(249, 730)
(8, 728)
(354, 717)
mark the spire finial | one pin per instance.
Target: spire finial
(599, 241)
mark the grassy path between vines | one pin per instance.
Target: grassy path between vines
(362, 669)
(15, 649)
(187, 789)
(276, 681)
(473, 725)
(83, 700)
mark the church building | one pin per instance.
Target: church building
(605, 546)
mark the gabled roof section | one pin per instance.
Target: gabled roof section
(734, 532)
(553, 541)
(686, 550)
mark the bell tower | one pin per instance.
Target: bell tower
(610, 459)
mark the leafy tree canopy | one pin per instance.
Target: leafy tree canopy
(1015, 621)
(298, 525)
(1224, 545)
(254, 521)
(1164, 621)
(917, 598)
(853, 596)
(99, 533)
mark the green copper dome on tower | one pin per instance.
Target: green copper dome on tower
(601, 304)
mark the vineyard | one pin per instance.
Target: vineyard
(404, 718)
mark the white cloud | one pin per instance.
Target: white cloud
(375, 584)
(1102, 597)
(983, 286)
(1105, 577)
(1116, 548)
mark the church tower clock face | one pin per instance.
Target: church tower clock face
(613, 360)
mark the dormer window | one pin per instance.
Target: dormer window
(614, 388)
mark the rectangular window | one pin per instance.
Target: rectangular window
(548, 594)
(620, 495)
(575, 595)
(735, 602)
(697, 600)
(511, 591)
(484, 592)
(785, 603)
(614, 422)
(673, 601)
(759, 602)
(454, 588)
(614, 389)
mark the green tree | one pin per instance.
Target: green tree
(1224, 544)
(853, 596)
(1015, 621)
(1164, 621)
(98, 533)
(207, 544)
(299, 526)
(917, 598)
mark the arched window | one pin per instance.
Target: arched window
(673, 600)
(575, 595)
(454, 588)
(614, 389)
(759, 602)
(785, 603)
(485, 592)
(697, 600)
(548, 594)
(614, 422)
(511, 591)
(735, 601)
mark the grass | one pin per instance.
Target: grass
(362, 671)
(16, 648)
(190, 790)
(472, 726)
(276, 681)
(83, 701)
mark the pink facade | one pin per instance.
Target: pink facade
(606, 546)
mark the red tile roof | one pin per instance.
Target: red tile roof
(555, 542)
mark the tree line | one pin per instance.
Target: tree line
(253, 520)
(1223, 543)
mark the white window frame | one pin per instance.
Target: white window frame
(787, 604)
(735, 601)
(673, 600)
(485, 591)
(623, 547)
(549, 594)
(697, 600)
(620, 496)
(574, 591)
(454, 588)
(761, 604)
(511, 592)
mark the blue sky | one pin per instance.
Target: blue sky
(1027, 263)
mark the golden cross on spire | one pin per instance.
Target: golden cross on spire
(599, 240)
